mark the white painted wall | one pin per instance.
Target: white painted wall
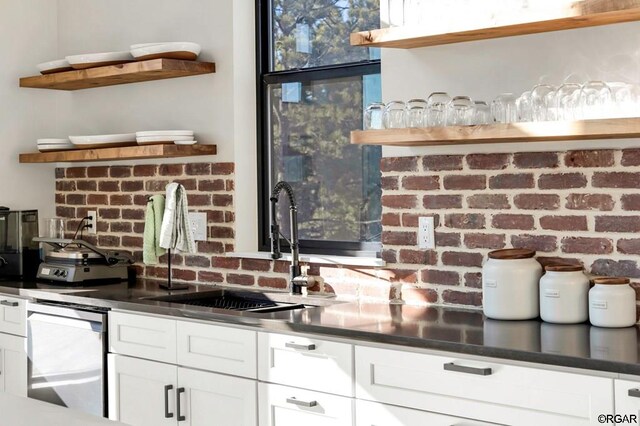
(220, 108)
(484, 69)
(28, 36)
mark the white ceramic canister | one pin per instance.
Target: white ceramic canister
(564, 295)
(510, 285)
(612, 303)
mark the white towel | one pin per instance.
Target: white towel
(151, 249)
(175, 232)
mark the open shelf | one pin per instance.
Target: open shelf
(614, 128)
(132, 72)
(575, 14)
(123, 153)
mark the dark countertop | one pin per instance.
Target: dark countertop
(438, 328)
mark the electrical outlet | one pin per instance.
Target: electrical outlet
(426, 233)
(198, 223)
(93, 222)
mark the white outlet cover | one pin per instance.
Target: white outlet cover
(426, 233)
(198, 222)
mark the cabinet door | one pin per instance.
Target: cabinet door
(142, 336)
(287, 406)
(628, 400)
(492, 391)
(13, 315)
(219, 349)
(142, 393)
(209, 399)
(375, 414)
(13, 365)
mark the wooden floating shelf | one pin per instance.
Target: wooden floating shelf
(574, 14)
(123, 153)
(618, 128)
(132, 72)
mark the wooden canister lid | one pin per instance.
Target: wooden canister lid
(511, 254)
(611, 281)
(563, 268)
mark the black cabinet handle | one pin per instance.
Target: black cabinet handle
(469, 370)
(634, 393)
(9, 304)
(298, 346)
(167, 414)
(181, 418)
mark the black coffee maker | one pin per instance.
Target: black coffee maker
(19, 255)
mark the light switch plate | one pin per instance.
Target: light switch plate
(198, 222)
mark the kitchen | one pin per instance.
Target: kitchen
(390, 333)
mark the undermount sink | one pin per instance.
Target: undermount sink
(233, 300)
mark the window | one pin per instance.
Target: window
(313, 88)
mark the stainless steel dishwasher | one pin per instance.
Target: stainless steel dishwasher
(67, 347)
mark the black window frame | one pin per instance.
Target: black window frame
(265, 77)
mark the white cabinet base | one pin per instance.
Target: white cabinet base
(13, 365)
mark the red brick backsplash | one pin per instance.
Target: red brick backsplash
(576, 206)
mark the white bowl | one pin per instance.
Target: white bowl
(151, 133)
(122, 139)
(90, 60)
(50, 67)
(171, 50)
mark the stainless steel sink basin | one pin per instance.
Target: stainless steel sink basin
(234, 300)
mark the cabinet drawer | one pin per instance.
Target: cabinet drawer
(221, 349)
(307, 363)
(628, 399)
(505, 394)
(142, 336)
(286, 406)
(374, 414)
(13, 315)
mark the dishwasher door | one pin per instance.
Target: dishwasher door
(66, 357)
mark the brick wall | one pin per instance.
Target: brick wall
(119, 195)
(578, 206)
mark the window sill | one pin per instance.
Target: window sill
(317, 259)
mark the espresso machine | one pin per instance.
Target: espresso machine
(19, 254)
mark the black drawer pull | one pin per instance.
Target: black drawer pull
(181, 418)
(9, 304)
(450, 366)
(167, 414)
(635, 393)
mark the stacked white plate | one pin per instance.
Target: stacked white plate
(59, 65)
(172, 50)
(91, 60)
(104, 141)
(45, 145)
(154, 137)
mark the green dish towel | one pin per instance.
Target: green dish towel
(151, 249)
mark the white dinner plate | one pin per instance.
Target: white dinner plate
(59, 65)
(171, 50)
(123, 139)
(153, 133)
(53, 141)
(185, 142)
(156, 139)
(45, 148)
(90, 60)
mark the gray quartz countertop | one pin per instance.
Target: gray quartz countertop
(438, 328)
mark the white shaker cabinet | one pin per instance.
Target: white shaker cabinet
(288, 406)
(149, 393)
(628, 399)
(13, 364)
(376, 414)
(489, 391)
